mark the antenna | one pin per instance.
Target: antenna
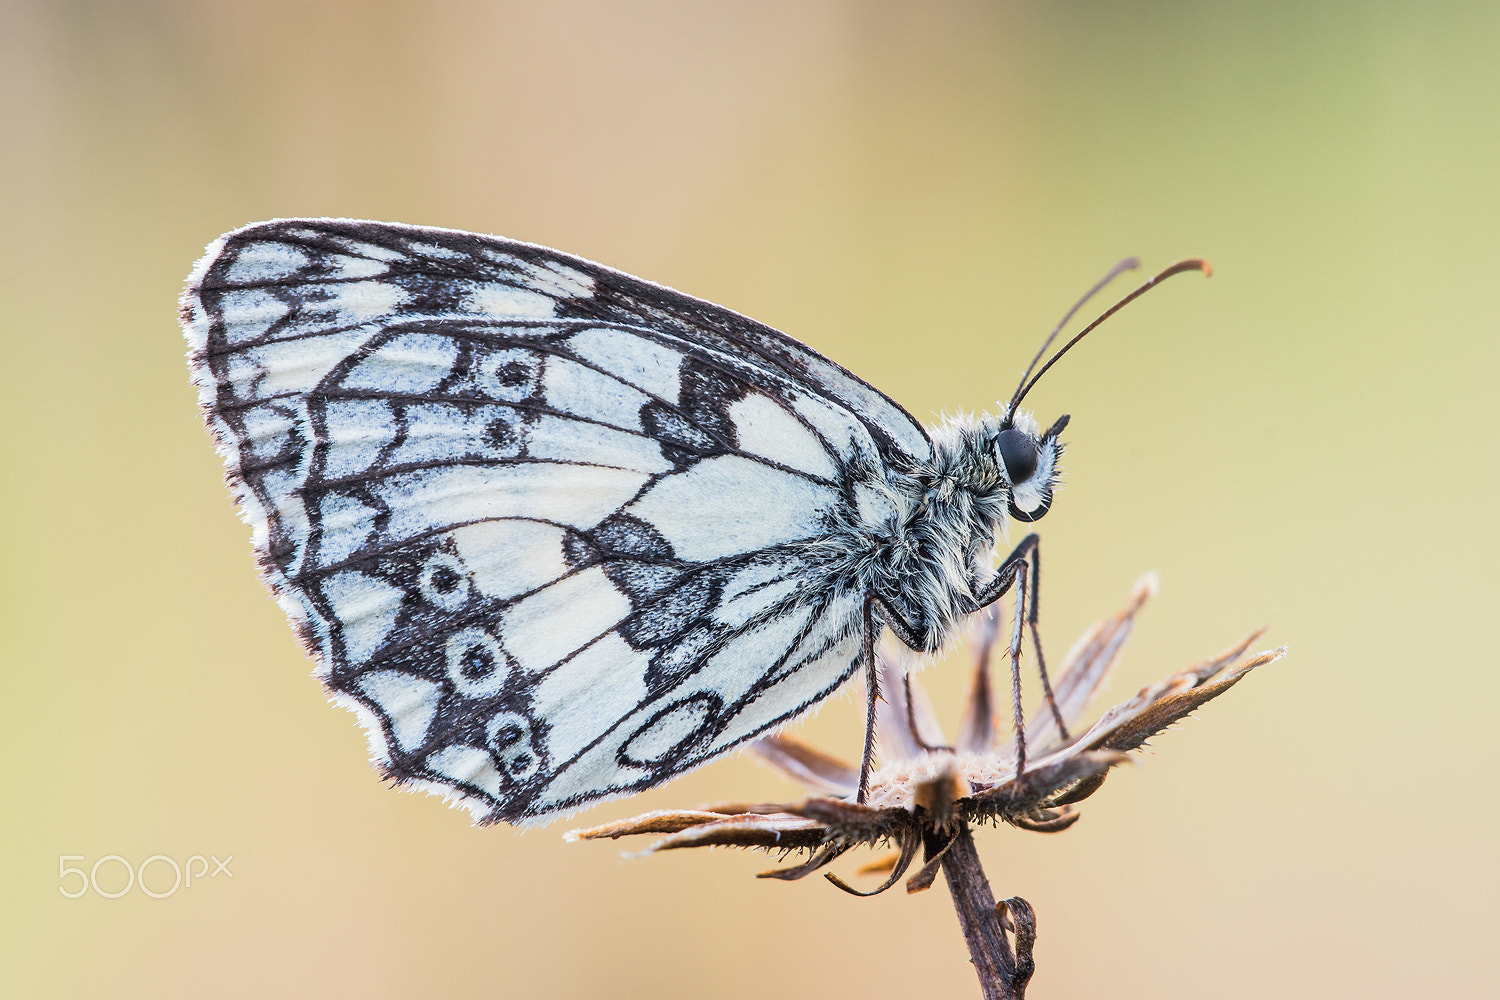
(1190, 264)
(1128, 264)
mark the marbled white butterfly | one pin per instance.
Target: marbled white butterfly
(557, 534)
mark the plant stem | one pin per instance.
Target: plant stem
(1003, 972)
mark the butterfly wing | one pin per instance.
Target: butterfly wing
(552, 531)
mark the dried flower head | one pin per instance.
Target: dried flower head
(927, 793)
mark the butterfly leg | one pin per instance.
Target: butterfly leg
(1036, 639)
(872, 696)
(1005, 575)
(913, 638)
(1015, 667)
(1022, 567)
(911, 719)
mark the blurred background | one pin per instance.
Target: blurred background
(1305, 441)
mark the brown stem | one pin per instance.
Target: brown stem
(1003, 972)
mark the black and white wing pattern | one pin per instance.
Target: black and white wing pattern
(553, 532)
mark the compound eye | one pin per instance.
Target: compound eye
(1018, 452)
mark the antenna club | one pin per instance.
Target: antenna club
(1178, 267)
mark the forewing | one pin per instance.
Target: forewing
(552, 540)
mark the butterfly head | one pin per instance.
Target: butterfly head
(1029, 457)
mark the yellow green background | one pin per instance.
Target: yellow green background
(1305, 441)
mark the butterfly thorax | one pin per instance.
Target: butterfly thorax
(923, 537)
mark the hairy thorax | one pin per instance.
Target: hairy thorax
(922, 538)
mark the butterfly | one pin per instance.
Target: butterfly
(557, 534)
